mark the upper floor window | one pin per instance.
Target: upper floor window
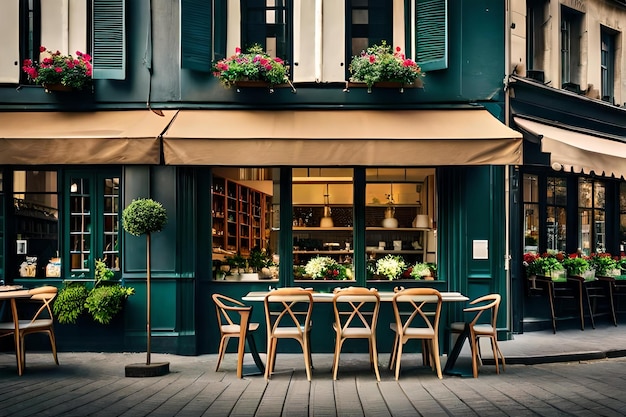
(266, 23)
(607, 64)
(30, 32)
(371, 21)
(571, 26)
(535, 36)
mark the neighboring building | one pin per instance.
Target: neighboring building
(243, 168)
(567, 96)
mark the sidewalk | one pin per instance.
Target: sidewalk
(94, 383)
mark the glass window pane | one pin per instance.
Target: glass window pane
(399, 222)
(585, 193)
(531, 227)
(244, 222)
(323, 223)
(584, 226)
(36, 205)
(531, 188)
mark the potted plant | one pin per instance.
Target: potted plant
(379, 64)
(145, 216)
(103, 301)
(252, 68)
(604, 264)
(421, 270)
(57, 72)
(546, 264)
(391, 267)
(325, 267)
(577, 266)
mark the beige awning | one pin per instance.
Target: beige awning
(579, 152)
(340, 138)
(102, 137)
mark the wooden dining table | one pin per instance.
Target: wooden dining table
(13, 293)
(385, 296)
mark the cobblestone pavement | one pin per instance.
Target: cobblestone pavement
(573, 373)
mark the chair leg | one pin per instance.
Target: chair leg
(53, 343)
(392, 357)
(222, 350)
(494, 348)
(336, 357)
(495, 342)
(474, 354)
(241, 350)
(374, 355)
(306, 350)
(398, 358)
(435, 355)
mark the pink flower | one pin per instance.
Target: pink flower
(237, 50)
(278, 60)
(58, 69)
(86, 57)
(47, 61)
(42, 48)
(27, 62)
(398, 49)
(372, 59)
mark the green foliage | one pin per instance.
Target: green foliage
(603, 263)
(575, 265)
(379, 64)
(420, 269)
(254, 65)
(543, 264)
(144, 216)
(104, 302)
(55, 68)
(70, 303)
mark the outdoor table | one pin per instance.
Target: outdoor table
(14, 293)
(386, 296)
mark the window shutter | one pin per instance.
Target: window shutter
(431, 34)
(109, 39)
(196, 35)
(10, 65)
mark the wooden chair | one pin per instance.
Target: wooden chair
(42, 321)
(417, 312)
(356, 314)
(233, 318)
(491, 303)
(288, 316)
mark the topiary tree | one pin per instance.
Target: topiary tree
(145, 216)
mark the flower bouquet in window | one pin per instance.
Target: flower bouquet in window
(255, 65)
(547, 264)
(379, 64)
(578, 266)
(57, 72)
(390, 267)
(325, 267)
(604, 264)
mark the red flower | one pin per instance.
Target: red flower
(42, 48)
(398, 49)
(372, 59)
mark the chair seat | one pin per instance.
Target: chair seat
(484, 329)
(414, 331)
(288, 332)
(356, 332)
(235, 328)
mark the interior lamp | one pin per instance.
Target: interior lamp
(327, 220)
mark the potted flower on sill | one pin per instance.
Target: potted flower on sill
(578, 266)
(421, 270)
(604, 264)
(254, 68)
(57, 72)
(378, 64)
(325, 267)
(391, 267)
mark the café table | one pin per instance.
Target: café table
(13, 293)
(387, 296)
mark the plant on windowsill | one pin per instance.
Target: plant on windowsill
(546, 264)
(254, 68)
(103, 302)
(390, 267)
(325, 267)
(421, 270)
(378, 64)
(578, 266)
(604, 264)
(57, 72)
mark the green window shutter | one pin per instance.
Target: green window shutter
(109, 39)
(196, 35)
(431, 32)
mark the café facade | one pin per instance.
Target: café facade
(318, 167)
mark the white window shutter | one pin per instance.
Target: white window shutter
(10, 65)
(334, 41)
(303, 66)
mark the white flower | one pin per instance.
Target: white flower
(317, 266)
(390, 266)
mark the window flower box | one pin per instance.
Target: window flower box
(58, 72)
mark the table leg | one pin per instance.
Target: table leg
(16, 334)
(260, 368)
(450, 369)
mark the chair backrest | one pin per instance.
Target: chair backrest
(491, 302)
(417, 307)
(356, 307)
(44, 295)
(230, 311)
(288, 307)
